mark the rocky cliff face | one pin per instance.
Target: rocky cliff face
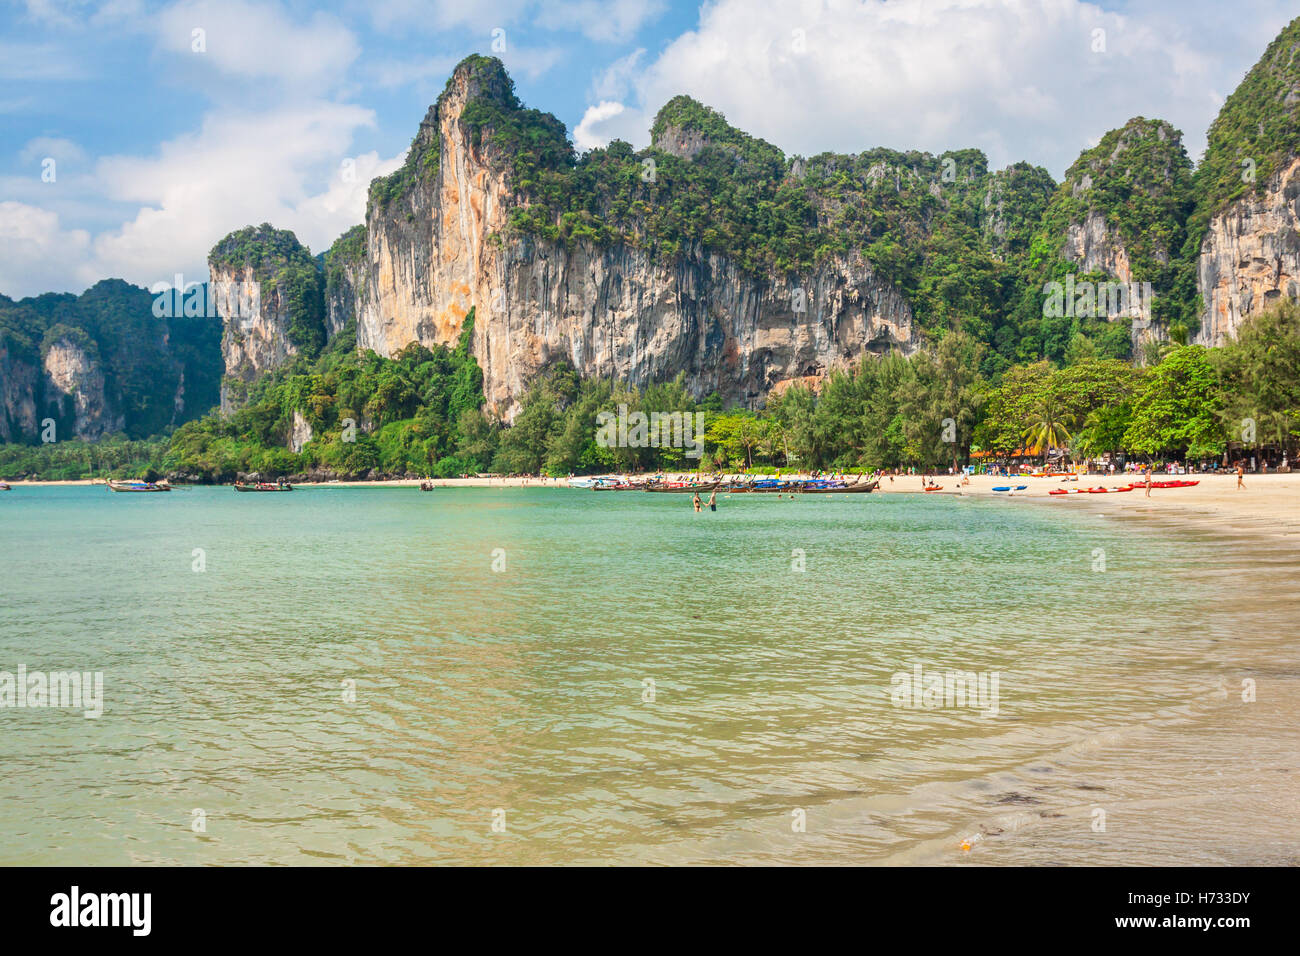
(17, 396)
(269, 293)
(346, 272)
(1139, 166)
(254, 330)
(1245, 230)
(109, 360)
(1250, 257)
(445, 245)
(1094, 247)
(74, 391)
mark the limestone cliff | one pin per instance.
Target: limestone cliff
(1119, 216)
(440, 241)
(74, 390)
(1250, 257)
(110, 360)
(17, 394)
(345, 279)
(1244, 235)
(269, 294)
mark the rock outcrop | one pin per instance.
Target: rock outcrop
(444, 245)
(254, 333)
(1245, 229)
(18, 380)
(269, 293)
(1250, 257)
(1094, 217)
(110, 360)
(75, 390)
(301, 432)
(346, 272)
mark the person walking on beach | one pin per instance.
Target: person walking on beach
(696, 502)
(713, 500)
(1148, 481)
(1241, 475)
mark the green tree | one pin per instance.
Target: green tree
(1178, 408)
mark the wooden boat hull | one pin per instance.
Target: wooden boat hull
(692, 489)
(137, 488)
(859, 488)
(255, 488)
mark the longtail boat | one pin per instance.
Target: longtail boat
(4, 486)
(762, 485)
(681, 487)
(137, 485)
(264, 486)
(857, 488)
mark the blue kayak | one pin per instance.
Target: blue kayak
(1003, 488)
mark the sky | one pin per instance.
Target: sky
(135, 134)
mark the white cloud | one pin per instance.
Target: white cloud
(615, 82)
(392, 73)
(258, 41)
(36, 62)
(531, 62)
(42, 147)
(436, 15)
(284, 167)
(35, 250)
(588, 135)
(1016, 78)
(606, 21)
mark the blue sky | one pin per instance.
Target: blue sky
(161, 139)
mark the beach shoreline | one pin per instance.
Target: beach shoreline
(1269, 503)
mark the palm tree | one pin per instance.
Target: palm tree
(774, 440)
(1046, 428)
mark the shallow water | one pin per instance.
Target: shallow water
(520, 696)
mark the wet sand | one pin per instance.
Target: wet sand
(1269, 504)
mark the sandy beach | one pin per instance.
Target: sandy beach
(1269, 504)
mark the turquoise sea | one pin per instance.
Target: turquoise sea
(546, 675)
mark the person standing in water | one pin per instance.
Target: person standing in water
(713, 500)
(696, 502)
